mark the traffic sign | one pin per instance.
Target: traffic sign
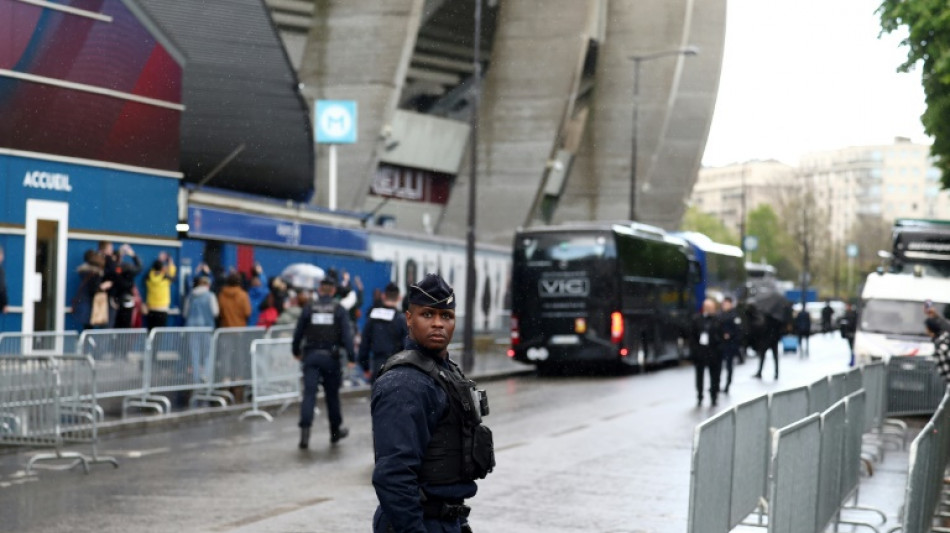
(335, 121)
(751, 243)
(852, 250)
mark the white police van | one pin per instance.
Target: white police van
(891, 320)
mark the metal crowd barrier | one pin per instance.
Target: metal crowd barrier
(851, 463)
(914, 387)
(120, 356)
(838, 385)
(833, 434)
(853, 381)
(819, 395)
(793, 493)
(167, 367)
(929, 458)
(281, 332)
(275, 376)
(43, 404)
(224, 362)
(713, 443)
(750, 458)
(39, 343)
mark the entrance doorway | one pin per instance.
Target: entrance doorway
(44, 269)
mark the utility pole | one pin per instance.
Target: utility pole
(468, 335)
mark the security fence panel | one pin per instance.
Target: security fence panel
(914, 387)
(43, 405)
(928, 461)
(275, 376)
(281, 332)
(168, 367)
(851, 465)
(839, 386)
(875, 386)
(792, 481)
(819, 395)
(225, 361)
(120, 360)
(711, 474)
(39, 343)
(833, 426)
(853, 381)
(750, 461)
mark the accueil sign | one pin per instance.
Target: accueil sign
(47, 180)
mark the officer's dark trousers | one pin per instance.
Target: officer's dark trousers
(381, 524)
(775, 351)
(713, 361)
(729, 353)
(321, 366)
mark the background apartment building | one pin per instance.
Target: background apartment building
(732, 191)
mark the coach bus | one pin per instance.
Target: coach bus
(599, 292)
(721, 269)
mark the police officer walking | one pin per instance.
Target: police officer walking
(384, 334)
(323, 327)
(731, 328)
(429, 443)
(705, 346)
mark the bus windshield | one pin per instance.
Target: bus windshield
(564, 248)
(894, 317)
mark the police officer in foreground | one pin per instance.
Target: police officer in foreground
(429, 443)
(323, 328)
(384, 334)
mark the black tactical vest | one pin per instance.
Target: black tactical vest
(461, 447)
(321, 331)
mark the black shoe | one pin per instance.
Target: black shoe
(304, 438)
(714, 402)
(757, 375)
(340, 433)
(699, 402)
(726, 390)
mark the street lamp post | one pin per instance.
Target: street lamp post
(468, 326)
(637, 60)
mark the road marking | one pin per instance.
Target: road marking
(569, 430)
(510, 446)
(270, 514)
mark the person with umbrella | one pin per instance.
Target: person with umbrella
(772, 314)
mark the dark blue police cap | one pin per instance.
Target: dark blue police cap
(432, 291)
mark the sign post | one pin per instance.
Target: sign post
(852, 252)
(334, 123)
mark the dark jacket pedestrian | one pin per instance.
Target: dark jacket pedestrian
(849, 327)
(384, 333)
(127, 268)
(91, 283)
(732, 341)
(802, 327)
(706, 350)
(827, 314)
(765, 334)
(429, 443)
(322, 329)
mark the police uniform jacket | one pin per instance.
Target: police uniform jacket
(732, 330)
(384, 334)
(407, 405)
(344, 336)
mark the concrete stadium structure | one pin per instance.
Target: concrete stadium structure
(555, 109)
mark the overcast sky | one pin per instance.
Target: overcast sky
(806, 75)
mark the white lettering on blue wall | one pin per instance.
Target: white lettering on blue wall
(47, 180)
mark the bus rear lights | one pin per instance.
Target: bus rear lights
(515, 331)
(511, 353)
(616, 327)
(580, 326)
(624, 352)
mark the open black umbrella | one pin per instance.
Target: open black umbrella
(772, 304)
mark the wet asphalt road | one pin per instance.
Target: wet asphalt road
(575, 453)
